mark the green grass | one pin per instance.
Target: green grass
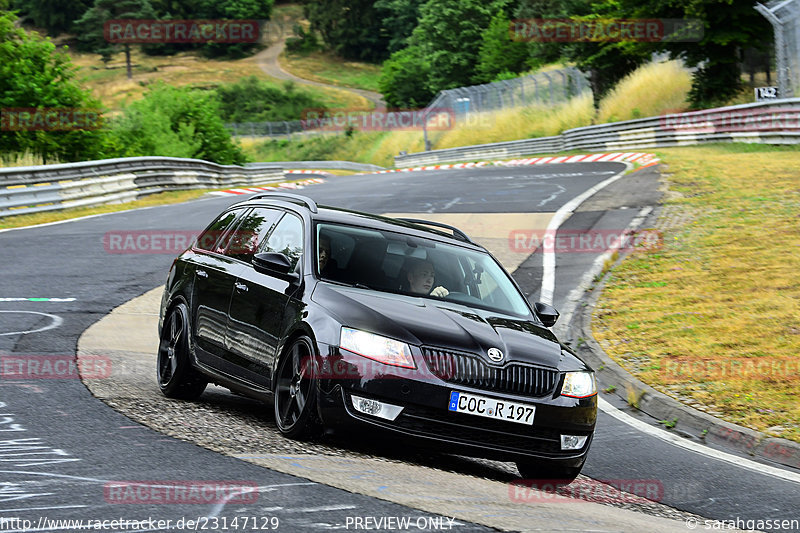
(713, 316)
(325, 67)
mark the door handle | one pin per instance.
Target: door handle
(202, 273)
(240, 287)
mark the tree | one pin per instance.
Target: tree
(231, 10)
(35, 75)
(398, 20)
(351, 28)
(55, 16)
(729, 27)
(449, 34)
(91, 26)
(498, 54)
(176, 122)
(403, 80)
(606, 62)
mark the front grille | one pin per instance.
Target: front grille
(505, 436)
(470, 371)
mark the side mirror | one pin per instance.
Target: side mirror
(274, 264)
(546, 313)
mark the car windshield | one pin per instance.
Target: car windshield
(403, 264)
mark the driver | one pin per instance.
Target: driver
(420, 274)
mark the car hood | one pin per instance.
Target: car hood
(444, 325)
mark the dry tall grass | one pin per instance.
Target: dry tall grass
(650, 90)
(518, 123)
(110, 84)
(22, 160)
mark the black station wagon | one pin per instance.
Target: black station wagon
(344, 319)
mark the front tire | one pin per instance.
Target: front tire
(176, 376)
(296, 392)
(548, 473)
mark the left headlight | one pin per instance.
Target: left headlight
(382, 349)
(579, 384)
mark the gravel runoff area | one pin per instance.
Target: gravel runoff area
(237, 426)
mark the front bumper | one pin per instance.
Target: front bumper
(426, 418)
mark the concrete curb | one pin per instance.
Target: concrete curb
(691, 422)
(643, 159)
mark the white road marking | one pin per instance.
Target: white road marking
(341, 507)
(451, 203)
(548, 286)
(549, 257)
(37, 299)
(265, 488)
(56, 321)
(695, 447)
(586, 280)
(22, 509)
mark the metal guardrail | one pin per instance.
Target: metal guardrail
(327, 165)
(48, 188)
(775, 122)
(539, 145)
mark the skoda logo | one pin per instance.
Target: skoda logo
(495, 355)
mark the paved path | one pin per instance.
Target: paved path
(268, 62)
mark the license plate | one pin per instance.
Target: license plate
(521, 413)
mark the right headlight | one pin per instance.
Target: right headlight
(377, 348)
(579, 384)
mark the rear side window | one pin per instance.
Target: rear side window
(212, 235)
(287, 238)
(250, 233)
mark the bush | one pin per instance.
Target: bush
(176, 122)
(403, 81)
(304, 41)
(254, 100)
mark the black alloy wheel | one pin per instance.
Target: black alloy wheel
(295, 391)
(176, 376)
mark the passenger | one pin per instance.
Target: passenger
(421, 274)
(327, 265)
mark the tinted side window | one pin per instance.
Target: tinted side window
(248, 236)
(287, 238)
(209, 238)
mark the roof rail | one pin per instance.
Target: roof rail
(457, 233)
(297, 198)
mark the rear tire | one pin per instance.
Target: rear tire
(176, 376)
(548, 473)
(296, 392)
